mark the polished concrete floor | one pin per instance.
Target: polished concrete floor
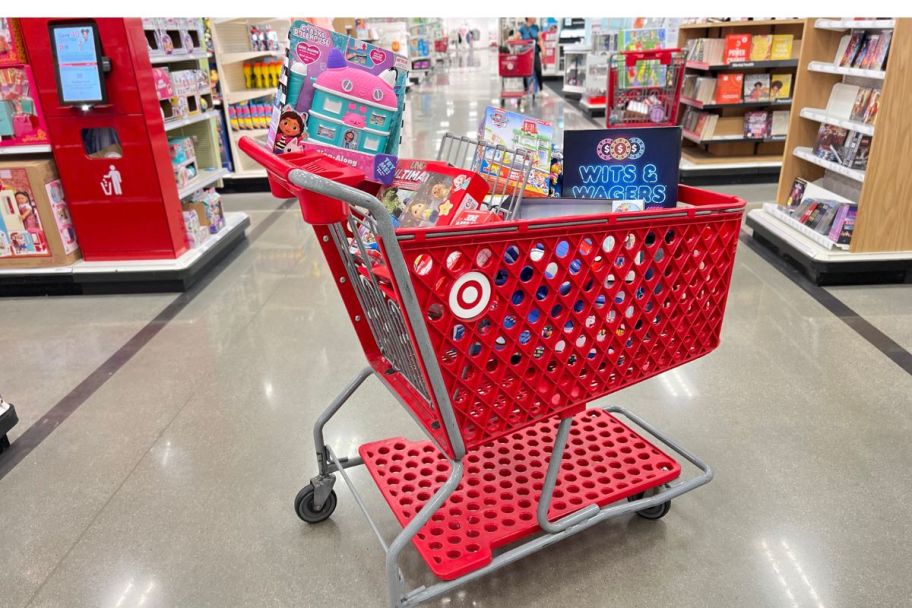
(170, 482)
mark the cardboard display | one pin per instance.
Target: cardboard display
(35, 225)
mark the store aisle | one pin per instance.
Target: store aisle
(172, 484)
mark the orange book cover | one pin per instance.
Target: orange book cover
(737, 48)
(728, 88)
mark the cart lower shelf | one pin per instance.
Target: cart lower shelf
(495, 504)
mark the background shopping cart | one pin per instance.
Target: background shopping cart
(490, 334)
(644, 87)
(516, 69)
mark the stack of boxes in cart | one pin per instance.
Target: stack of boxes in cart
(35, 224)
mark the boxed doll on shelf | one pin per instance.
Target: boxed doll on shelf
(207, 204)
(21, 121)
(35, 224)
(341, 93)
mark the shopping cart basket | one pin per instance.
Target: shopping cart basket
(495, 338)
(516, 69)
(644, 87)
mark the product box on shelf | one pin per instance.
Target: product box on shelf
(195, 233)
(21, 120)
(35, 225)
(207, 204)
(517, 132)
(339, 92)
(12, 49)
(163, 88)
(637, 164)
(174, 36)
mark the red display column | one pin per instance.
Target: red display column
(124, 203)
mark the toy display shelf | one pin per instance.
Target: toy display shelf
(820, 116)
(205, 178)
(758, 160)
(173, 124)
(884, 188)
(231, 43)
(147, 276)
(195, 57)
(16, 150)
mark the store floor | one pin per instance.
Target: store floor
(166, 436)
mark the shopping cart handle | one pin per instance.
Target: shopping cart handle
(274, 163)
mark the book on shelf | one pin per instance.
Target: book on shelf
(850, 45)
(847, 226)
(871, 110)
(701, 124)
(857, 156)
(842, 99)
(699, 88)
(819, 214)
(756, 125)
(705, 50)
(781, 47)
(760, 47)
(756, 87)
(796, 193)
(864, 50)
(830, 142)
(737, 48)
(779, 123)
(729, 87)
(861, 104)
(780, 86)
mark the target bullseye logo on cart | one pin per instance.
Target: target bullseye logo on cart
(470, 295)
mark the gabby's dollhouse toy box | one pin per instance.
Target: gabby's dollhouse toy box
(341, 96)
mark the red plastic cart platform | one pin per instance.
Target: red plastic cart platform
(644, 88)
(495, 338)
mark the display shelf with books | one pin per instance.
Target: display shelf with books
(841, 25)
(828, 67)
(744, 72)
(249, 53)
(832, 142)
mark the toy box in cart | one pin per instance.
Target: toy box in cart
(338, 91)
(517, 131)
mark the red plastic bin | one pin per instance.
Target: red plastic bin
(516, 65)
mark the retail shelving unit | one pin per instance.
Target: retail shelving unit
(231, 43)
(881, 245)
(727, 154)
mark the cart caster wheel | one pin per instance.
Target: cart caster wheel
(304, 505)
(656, 512)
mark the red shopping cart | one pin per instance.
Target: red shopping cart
(496, 338)
(516, 69)
(644, 88)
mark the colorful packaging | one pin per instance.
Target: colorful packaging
(21, 120)
(517, 132)
(35, 224)
(346, 93)
(12, 49)
(375, 167)
(446, 191)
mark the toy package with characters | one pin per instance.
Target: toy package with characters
(338, 91)
(21, 120)
(517, 132)
(35, 224)
(442, 195)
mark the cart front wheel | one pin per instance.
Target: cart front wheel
(304, 505)
(656, 512)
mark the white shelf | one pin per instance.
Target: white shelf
(832, 68)
(840, 25)
(573, 88)
(170, 125)
(15, 150)
(247, 94)
(205, 178)
(777, 212)
(715, 166)
(818, 115)
(594, 106)
(228, 58)
(814, 251)
(808, 155)
(159, 59)
(248, 174)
